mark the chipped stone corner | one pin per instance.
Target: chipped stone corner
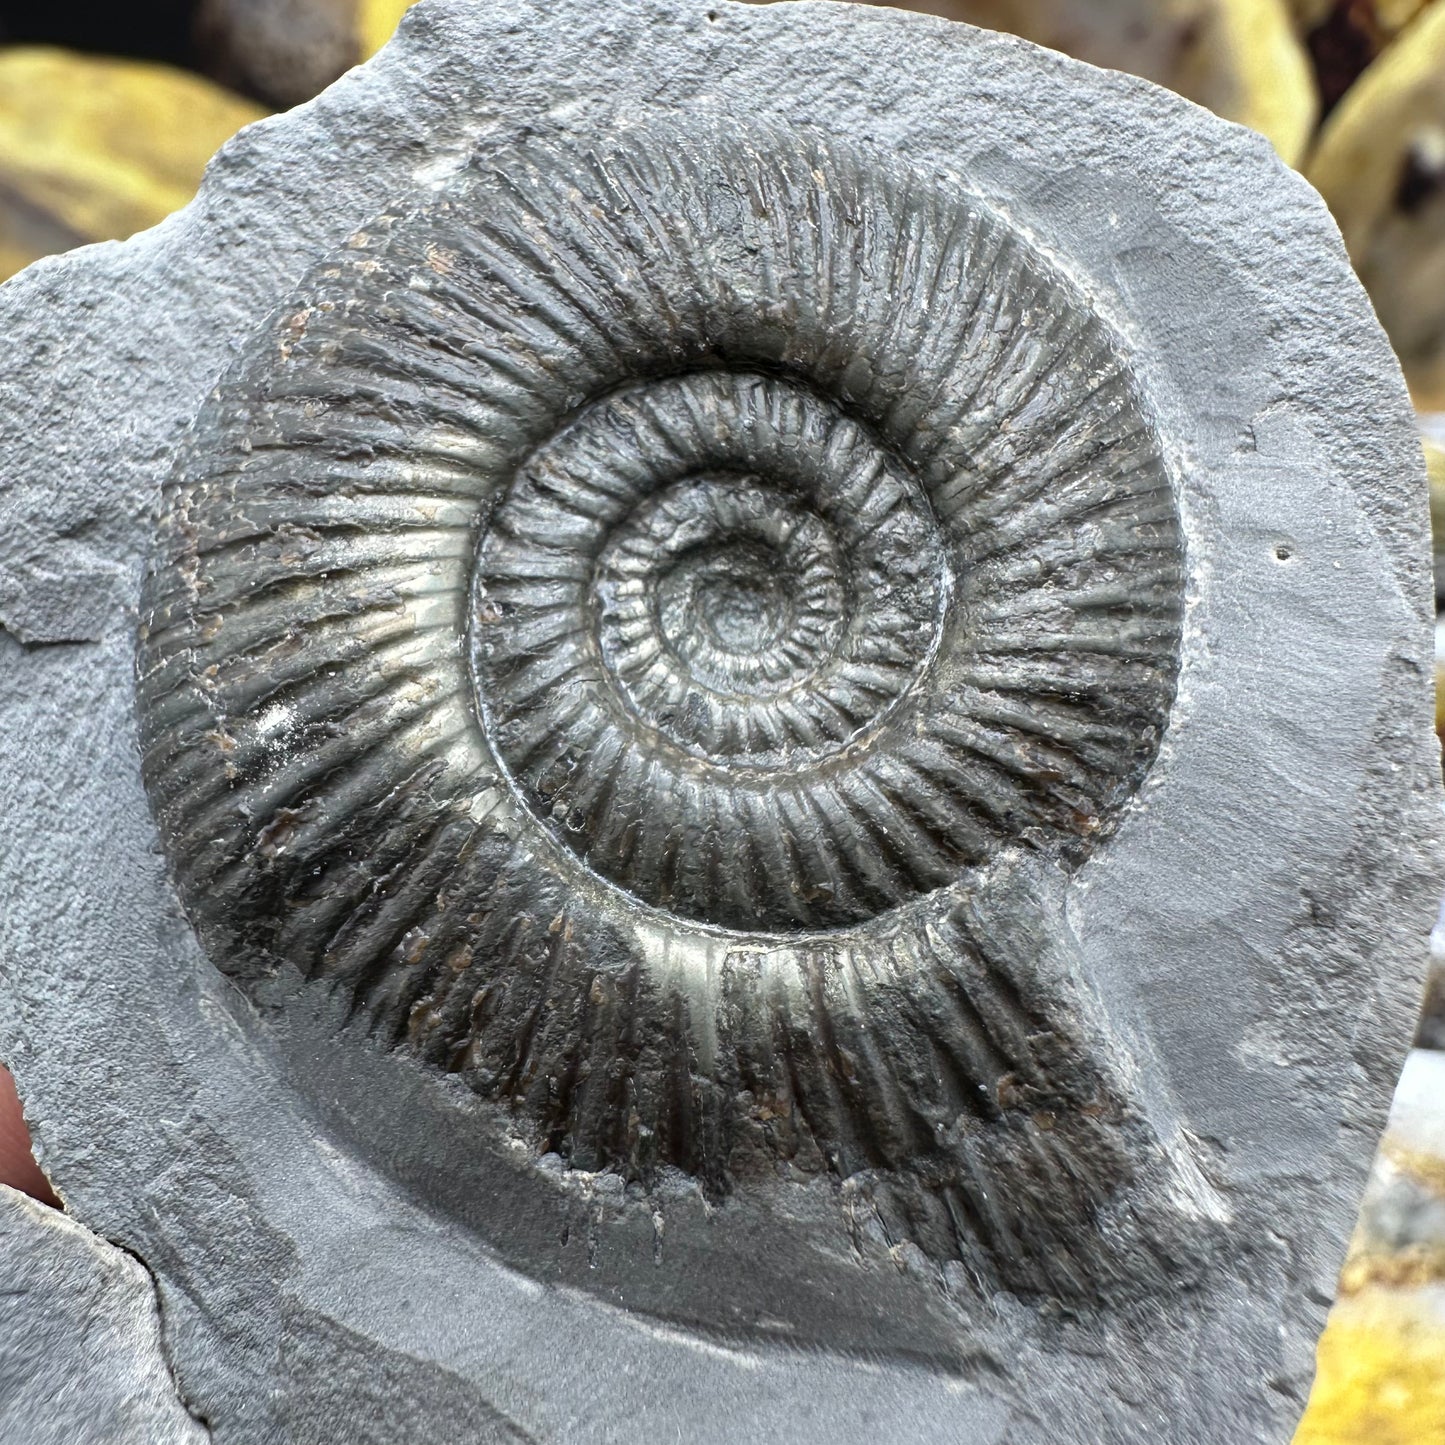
(81, 1353)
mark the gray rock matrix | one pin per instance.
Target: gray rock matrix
(717, 725)
(80, 1342)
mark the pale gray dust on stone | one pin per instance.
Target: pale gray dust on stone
(616, 624)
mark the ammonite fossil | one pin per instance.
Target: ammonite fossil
(649, 625)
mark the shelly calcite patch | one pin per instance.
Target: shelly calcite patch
(636, 625)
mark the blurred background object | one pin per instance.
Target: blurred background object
(99, 139)
(141, 30)
(1379, 162)
(94, 149)
(280, 51)
(1344, 36)
(285, 51)
(1380, 1381)
(1381, 1374)
(18, 1168)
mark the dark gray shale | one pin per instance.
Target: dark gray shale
(779, 780)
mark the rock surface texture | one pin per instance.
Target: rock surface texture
(717, 725)
(81, 1361)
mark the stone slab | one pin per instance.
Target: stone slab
(342, 1246)
(81, 1357)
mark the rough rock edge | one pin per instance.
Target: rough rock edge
(83, 1288)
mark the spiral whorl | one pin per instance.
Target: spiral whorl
(710, 598)
(633, 604)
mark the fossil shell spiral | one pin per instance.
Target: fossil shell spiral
(629, 623)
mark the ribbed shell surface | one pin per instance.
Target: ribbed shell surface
(636, 624)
